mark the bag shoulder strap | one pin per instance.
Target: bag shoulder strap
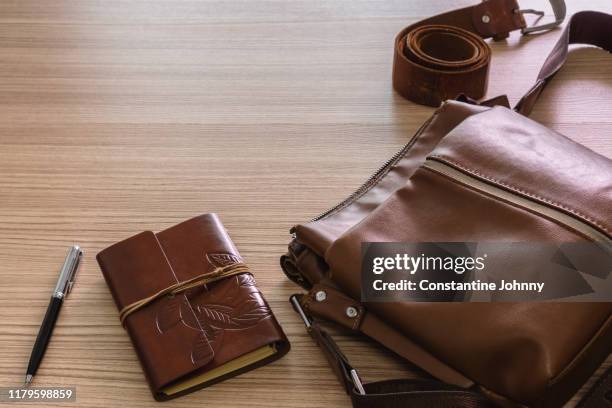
(585, 27)
(407, 392)
(398, 393)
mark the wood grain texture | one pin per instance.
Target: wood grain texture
(119, 116)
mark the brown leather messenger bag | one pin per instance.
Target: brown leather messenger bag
(473, 172)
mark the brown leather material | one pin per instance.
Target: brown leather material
(201, 329)
(417, 394)
(414, 393)
(320, 234)
(304, 266)
(521, 348)
(586, 27)
(551, 171)
(444, 56)
(337, 361)
(533, 354)
(333, 308)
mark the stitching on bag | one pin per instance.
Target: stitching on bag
(522, 191)
(409, 146)
(411, 143)
(508, 203)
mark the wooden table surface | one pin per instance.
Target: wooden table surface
(119, 116)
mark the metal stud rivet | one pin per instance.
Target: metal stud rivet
(486, 19)
(351, 312)
(320, 296)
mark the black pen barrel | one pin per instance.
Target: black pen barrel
(44, 334)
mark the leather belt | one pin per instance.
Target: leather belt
(445, 56)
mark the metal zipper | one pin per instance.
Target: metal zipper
(371, 181)
(574, 223)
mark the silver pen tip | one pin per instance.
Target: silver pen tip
(28, 379)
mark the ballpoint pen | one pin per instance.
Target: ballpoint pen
(63, 287)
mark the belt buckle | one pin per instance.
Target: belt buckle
(559, 11)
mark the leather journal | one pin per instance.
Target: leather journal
(191, 308)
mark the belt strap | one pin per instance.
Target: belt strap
(444, 56)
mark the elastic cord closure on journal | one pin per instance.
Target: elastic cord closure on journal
(179, 287)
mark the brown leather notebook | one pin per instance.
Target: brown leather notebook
(201, 336)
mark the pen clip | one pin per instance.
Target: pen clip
(68, 272)
(72, 276)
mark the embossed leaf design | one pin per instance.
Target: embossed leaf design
(201, 351)
(246, 280)
(251, 312)
(221, 260)
(172, 310)
(214, 334)
(235, 304)
(188, 314)
(168, 313)
(221, 292)
(217, 315)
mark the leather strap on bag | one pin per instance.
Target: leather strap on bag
(401, 393)
(444, 56)
(329, 304)
(585, 27)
